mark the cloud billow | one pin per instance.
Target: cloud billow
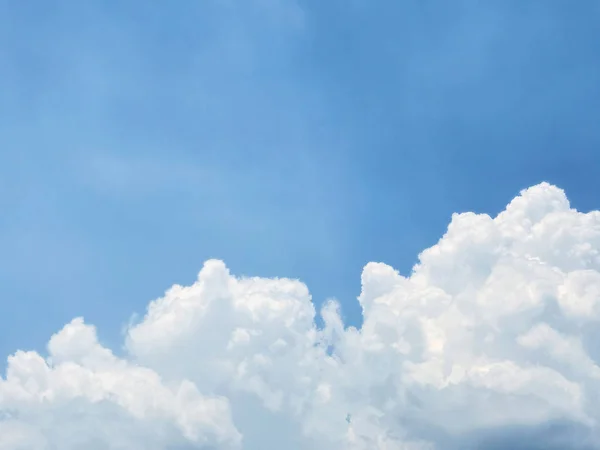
(489, 343)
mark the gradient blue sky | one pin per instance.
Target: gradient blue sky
(300, 139)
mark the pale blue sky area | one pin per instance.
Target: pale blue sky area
(300, 139)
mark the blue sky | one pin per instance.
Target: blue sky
(298, 139)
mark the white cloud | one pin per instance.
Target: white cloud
(82, 396)
(490, 333)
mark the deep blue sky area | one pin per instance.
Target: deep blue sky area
(288, 138)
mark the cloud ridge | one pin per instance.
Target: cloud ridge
(488, 343)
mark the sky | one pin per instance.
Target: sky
(292, 139)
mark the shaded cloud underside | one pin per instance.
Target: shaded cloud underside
(489, 343)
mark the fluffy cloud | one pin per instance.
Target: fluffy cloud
(82, 396)
(489, 343)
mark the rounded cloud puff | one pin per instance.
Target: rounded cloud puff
(489, 341)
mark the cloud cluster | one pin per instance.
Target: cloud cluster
(489, 343)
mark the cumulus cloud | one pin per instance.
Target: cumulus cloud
(490, 342)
